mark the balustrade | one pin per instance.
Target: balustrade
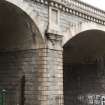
(83, 7)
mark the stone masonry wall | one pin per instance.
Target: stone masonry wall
(35, 89)
(54, 77)
(39, 13)
(67, 21)
(48, 87)
(21, 75)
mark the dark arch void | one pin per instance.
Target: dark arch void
(84, 69)
(20, 40)
(17, 30)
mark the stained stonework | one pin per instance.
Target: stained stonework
(33, 33)
(54, 68)
(20, 76)
(55, 77)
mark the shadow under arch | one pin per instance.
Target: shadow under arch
(17, 23)
(84, 68)
(20, 44)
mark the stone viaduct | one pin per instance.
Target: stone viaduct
(52, 52)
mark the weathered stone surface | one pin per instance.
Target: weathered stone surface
(31, 60)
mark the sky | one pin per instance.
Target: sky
(97, 3)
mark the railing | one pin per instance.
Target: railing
(78, 8)
(83, 7)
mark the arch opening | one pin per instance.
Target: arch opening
(19, 41)
(84, 69)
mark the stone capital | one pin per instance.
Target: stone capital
(54, 40)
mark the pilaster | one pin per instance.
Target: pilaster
(54, 58)
(54, 61)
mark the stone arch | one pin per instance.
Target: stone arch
(21, 51)
(84, 68)
(25, 9)
(80, 27)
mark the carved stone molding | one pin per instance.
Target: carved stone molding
(54, 37)
(97, 17)
(45, 2)
(54, 40)
(77, 8)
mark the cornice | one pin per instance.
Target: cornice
(45, 2)
(77, 11)
(77, 8)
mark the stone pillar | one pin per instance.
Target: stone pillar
(54, 70)
(43, 74)
(42, 77)
(34, 65)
